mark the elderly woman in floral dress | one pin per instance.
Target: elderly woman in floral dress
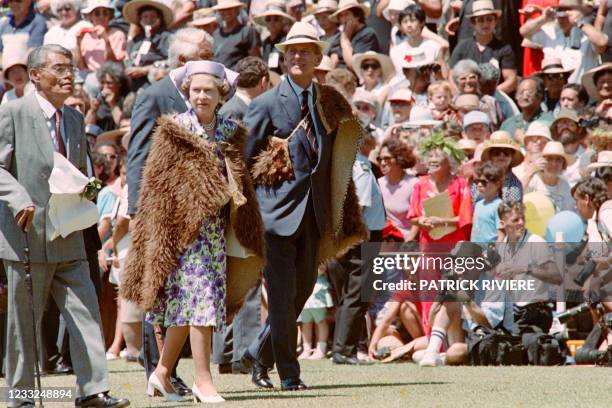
(195, 193)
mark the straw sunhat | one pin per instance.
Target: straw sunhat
(553, 65)
(588, 79)
(388, 71)
(467, 144)
(325, 65)
(273, 8)
(416, 59)
(502, 139)
(113, 136)
(539, 129)
(130, 10)
(484, 8)
(227, 4)
(325, 6)
(420, 116)
(553, 148)
(94, 4)
(203, 16)
(347, 5)
(396, 5)
(302, 33)
(604, 159)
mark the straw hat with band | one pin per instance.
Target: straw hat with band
(347, 5)
(113, 136)
(538, 129)
(203, 16)
(302, 33)
(227, 4)
(325, 65)
(273, 8)
(388, 71)
(553, 148)
(503, 140)
(325, 6)
(604, 159)
(589, 79)
(131, 10)
(484, 8)
(95, 4)
(553, 66)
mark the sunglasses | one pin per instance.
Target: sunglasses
(496, 151)
(485, 182)
(384, 158)
(370, 65)
(555, 76)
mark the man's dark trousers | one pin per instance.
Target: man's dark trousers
(290, 273)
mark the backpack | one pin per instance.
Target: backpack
(494, 347)
(542, 349)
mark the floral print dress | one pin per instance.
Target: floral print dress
(194, 294)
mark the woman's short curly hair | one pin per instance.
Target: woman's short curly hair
(401, 152)
(222, 85)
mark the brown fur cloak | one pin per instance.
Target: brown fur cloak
(182, 185)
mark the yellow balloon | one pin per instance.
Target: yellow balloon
(538, 211)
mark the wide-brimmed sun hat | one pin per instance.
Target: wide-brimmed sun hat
(347, 5)
(484, 8)
(604, 159)
(553, 148)
(396, 5)
(203, 16)
(415, 58)
(325, 65)
(565, 113)
(388, 71)
(420, 116)
(553, 65)
(503, 139)
(302, 33)
(227, 4)
(538, 128)
(273, 8)
(325, 6)
(131, 9)
(588, 79)
(94, 4)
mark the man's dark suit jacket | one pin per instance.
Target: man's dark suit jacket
(235, 108)
(277, 112)
(160, 98)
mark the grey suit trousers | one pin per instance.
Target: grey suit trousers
(71, 287)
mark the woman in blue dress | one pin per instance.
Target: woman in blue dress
(195, 190)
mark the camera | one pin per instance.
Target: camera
(585, 273)
(564, 317)
(592, 356)
(589, 123)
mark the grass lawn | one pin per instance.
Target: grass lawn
(390, 385)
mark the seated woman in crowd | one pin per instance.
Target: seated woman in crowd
(151, 43)
(198, 155)
(107, 106)
(70, 24)
(98, 44)
(550, 180)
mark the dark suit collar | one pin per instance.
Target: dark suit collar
(178, 102)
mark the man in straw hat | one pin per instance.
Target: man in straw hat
(555, 78)
(567, 130)
(302, 211)
(233, 39)
(598, 84)
(162, 97)
(529, 96)
(59, 267)
(485, 47)
(356, 37)
(573, 38)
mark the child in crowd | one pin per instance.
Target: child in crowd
(314, 316)
(488, 181)
(440, 96)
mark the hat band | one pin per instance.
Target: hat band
(484, 9)
(275, 8)
(304, 36)
(552, 66)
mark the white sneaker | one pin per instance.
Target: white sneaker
(417, 356)
(431, 359)
(110, 356)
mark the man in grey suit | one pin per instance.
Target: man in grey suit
(230, 345)
(31, 130)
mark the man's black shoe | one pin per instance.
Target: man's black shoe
(293, 384)
(225, 368)
(180, 387)
(102, 400)
(259, 373)
(338, 358)
(60, 369)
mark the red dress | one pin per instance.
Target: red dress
(461, 202)
(532, 59)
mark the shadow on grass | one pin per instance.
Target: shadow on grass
(271, 396)
(336, 386)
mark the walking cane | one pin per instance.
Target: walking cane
(28, 275)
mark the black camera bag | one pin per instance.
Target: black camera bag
(542, 349)
(494, 347)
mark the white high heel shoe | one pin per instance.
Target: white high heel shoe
(206, 399)
(155, 385)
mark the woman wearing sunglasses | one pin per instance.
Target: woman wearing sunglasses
(505, 153)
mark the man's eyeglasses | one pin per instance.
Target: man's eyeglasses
(370, 65)
(555, 76)
(62, 70)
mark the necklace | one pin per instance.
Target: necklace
(210, 126)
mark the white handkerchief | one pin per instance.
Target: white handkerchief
(68, 211)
